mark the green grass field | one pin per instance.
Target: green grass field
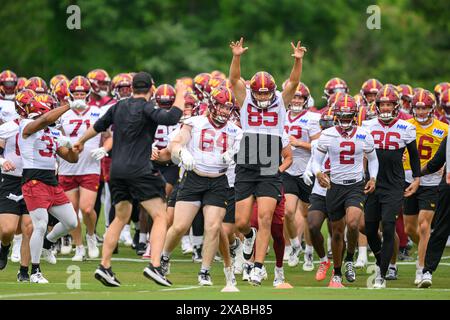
(129, 267)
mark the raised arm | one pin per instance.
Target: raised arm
(296, 73)
(238, 85)
(46, 119)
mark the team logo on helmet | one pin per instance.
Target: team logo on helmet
(262, 88)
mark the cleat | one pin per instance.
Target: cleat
(279, 277)
(360, 264)
(426, 281)
(204, 279)
(246, 270)
(419, 276)
(336, 282)
(197, 254)
(4, 257)
(403, 255)
(47, 255)
(80, 254)
(165, 265)
(156, 274)
(66, 245)
(238, 256)
(229, 277)
(350, 274)
(23, 277)
(248, 245)
(38, 278)
(93, 251)
(99, 239)
(287, 253)
(293, 256)
(106, 277)
(308, 265)
(257, 275)
(141, 248)
(186, 245)
(392, 274)
(321, 273)
(125, 236)
(380, 283)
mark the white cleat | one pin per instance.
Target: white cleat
(287, 253)
(93, 251)
(248, 245)
(279, 276)
(426, 281)
(38, 278)
(47, 255)
(380, 283)
(186, 245)
(293, 257)
(204, 279)
(360, 264)
(229, 277)
(125, 236)
(66, 245)
(308, 265)
(257, 275)
(15, 252)
(419, 276)
(80, 254)
(246, 270)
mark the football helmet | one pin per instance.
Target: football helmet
(263, 88)
(369, 90)
(202, 89)
(345, 111)
(296, 104)
(40, 104)
(326, 118)
(222, 104)
(423, 99)
(23, 100)
(8, 83)
(335, 85)
(55, 79)
(21, 81)
(406, 94)
(165, 96)
(61, 90)
(121, 86)
(444, 102)
(388, 93)
(100, 82)
(37, 84)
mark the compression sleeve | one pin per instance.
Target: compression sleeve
(414, 158)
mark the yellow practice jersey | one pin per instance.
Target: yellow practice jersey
(428, 140)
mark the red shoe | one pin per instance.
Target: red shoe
(321, 273)
(336, 282)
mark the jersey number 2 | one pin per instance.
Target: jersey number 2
(346, 156)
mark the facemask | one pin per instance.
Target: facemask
(79, 104)
(102, 93)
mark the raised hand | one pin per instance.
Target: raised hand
(299, 51)
(237, 47)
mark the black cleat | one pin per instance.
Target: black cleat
(140, 249)
(4, 251)
(23, 277)
(156, 275)
(106, 277)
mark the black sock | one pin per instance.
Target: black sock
(258, 265)
(349, 256)
(35, 268)
(5, 249)
(47, 244)
(249, 235)
(337, 271)
(23, 270)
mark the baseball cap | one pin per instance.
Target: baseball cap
(142, 80)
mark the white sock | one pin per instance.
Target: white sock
(18, 238)
(309, 249)
(362, 253)
(39, 218)
(392, 266)
(295, 242)
(329, 243)
(165, 254)
(324, 259)
(142, 237)
(197, 241)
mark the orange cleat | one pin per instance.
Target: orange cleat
(321, 273)
(336, 282)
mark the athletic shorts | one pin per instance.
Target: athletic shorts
(87, 181)
(11, 184)
(140, 189)
(317, 203)
(209, 191)
(278, 214)
(251, 183)
(425, 198)
(231, 206)
(383, 205)
(169, 172)
(40, 195)
(172, 199)
(295, 185)
(340, 197)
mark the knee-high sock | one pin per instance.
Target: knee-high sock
(278, 243)
(39, 217)
(373, 239)
(67, 221)
(387, 249)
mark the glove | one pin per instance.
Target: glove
(15, 198)
(99, 153)
(187, 159)
(64, 141)
(307, 178)
(228, 157)
(78, 104)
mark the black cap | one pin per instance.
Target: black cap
(142, 80)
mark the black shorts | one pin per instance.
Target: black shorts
(317, 203)
(169, 172)
(340, 197)
(173, 197)
(251, 182)
(231, 205)
(425, 198)
(10, 184)
(295, 185)
(383, 205)
(209, 191)
(141, 189)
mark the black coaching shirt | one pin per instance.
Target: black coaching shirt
(135, 121)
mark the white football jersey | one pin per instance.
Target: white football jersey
(390, 137)
(9, 132)
(8, 111)
(268, 121)
(346, 153)
(162, 135)
(74, 125)
(317, 188)
(209, 142)
(38, 151)
(302, 127)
